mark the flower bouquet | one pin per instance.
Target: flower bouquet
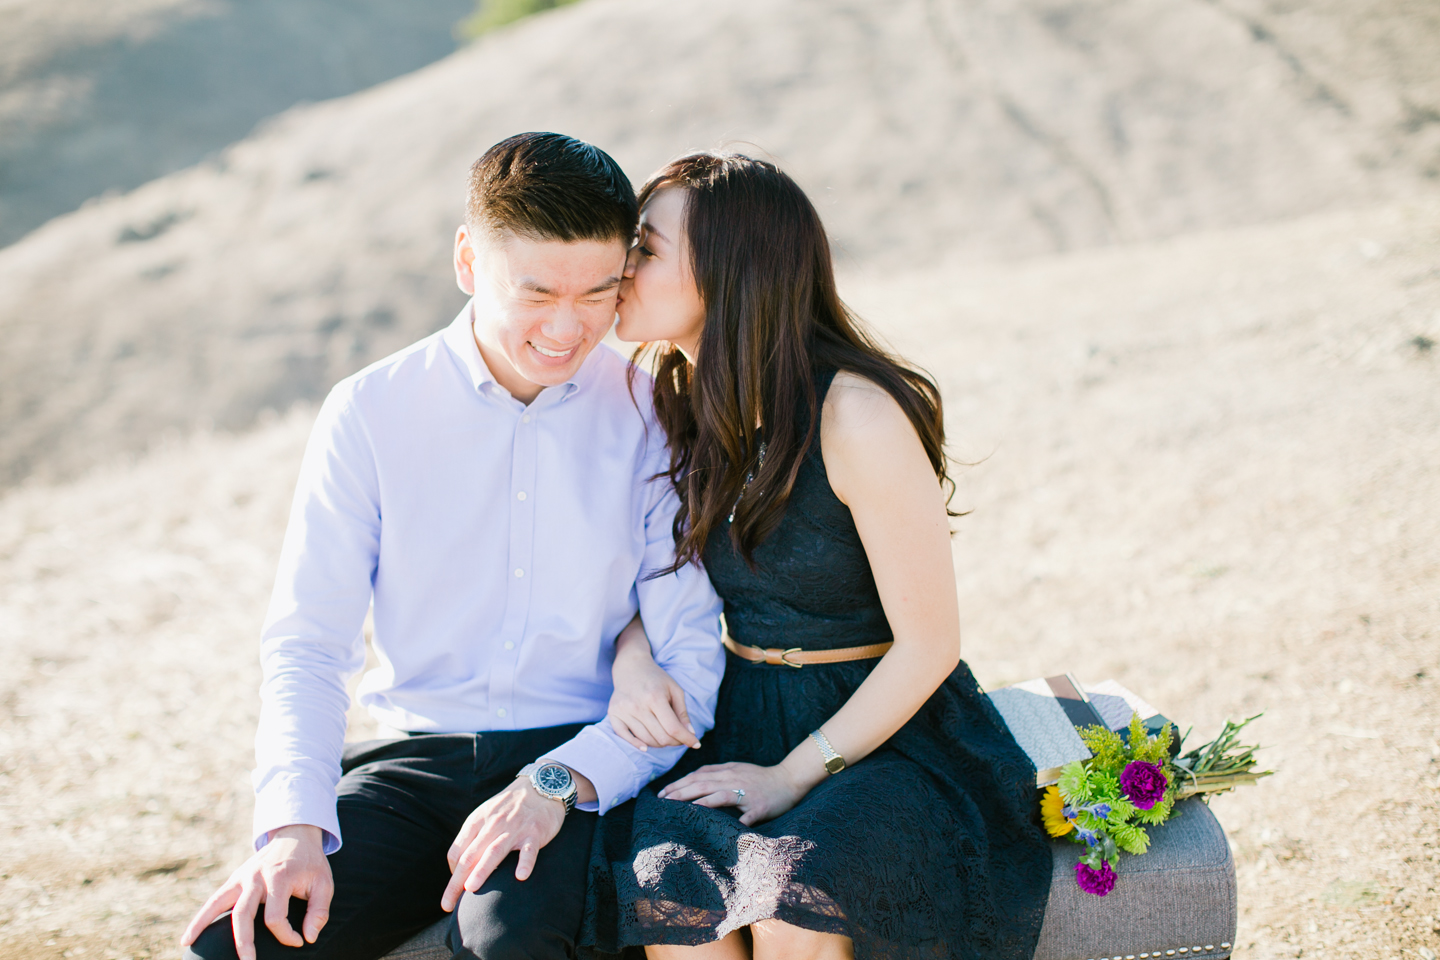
(1130, 783)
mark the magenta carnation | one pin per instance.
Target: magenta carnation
(1143, 783)
(1098, 882)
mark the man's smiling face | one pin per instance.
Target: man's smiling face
(541, 306)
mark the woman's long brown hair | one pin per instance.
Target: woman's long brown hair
(773, 317)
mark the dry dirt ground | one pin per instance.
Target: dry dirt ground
(1206, 467)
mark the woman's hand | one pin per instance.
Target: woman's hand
(761, 793)
(647, 708)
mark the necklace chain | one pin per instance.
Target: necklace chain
(749, 475)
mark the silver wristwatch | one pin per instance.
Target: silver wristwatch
(553, 781)
(834, 763)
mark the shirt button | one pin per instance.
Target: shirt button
(525, 419)
(509, 644)
(520, 495)
(519, 572)
(500, 712)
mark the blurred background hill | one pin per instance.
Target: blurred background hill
(102, 97)
(930, 131)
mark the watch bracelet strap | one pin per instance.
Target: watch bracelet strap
(834, 763)
(569, 799)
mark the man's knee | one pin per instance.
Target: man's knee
(534, 919)
(511, 942)
(216, 942)
(494, 927)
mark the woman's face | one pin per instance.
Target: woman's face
(658, 297)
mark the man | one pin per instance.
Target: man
(489, 489)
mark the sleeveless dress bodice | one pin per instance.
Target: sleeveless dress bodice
(812, 586)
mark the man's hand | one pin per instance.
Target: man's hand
(516, 818)
(292, 864)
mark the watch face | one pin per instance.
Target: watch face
(553, 779)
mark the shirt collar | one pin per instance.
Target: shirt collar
(460, 338)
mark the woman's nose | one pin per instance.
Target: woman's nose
(632, 259)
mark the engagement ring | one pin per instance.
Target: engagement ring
(740, 793)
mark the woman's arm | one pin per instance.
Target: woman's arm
(879, 469)
(647, 708)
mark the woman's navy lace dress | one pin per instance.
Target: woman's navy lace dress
(925, 848)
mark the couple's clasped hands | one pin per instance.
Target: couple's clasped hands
(647, 710)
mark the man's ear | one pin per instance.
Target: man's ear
(464, 261)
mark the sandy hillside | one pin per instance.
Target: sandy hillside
(1208, 469)
(927, 129)
(106, 96)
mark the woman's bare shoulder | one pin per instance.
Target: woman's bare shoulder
(857, 406)
(866, 439)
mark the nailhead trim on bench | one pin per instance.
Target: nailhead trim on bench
(1174, 951)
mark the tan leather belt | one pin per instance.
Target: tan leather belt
(795, 657)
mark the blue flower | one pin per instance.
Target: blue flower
(1068, 813)
(1101, 810)
(1089, 838)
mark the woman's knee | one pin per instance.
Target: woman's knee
(733, 946)
(775, 940)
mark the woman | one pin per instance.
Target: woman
(871, 802)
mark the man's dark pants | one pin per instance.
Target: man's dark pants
(401, 803)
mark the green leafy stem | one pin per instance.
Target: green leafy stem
(1220, 765)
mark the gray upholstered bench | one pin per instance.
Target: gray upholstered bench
(1177, 902)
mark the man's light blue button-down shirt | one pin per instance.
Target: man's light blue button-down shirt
(504, 546)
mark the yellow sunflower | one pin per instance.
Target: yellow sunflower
(1052, 812)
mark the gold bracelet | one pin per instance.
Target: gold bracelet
(834, 763)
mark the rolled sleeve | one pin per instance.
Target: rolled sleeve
(312, 638)
(681, 614)
(285, 801)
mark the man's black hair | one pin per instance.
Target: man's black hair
(547, 186)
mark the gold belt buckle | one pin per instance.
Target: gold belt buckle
(774, 656)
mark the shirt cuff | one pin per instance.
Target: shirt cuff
(597, 758)
(283, 803)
